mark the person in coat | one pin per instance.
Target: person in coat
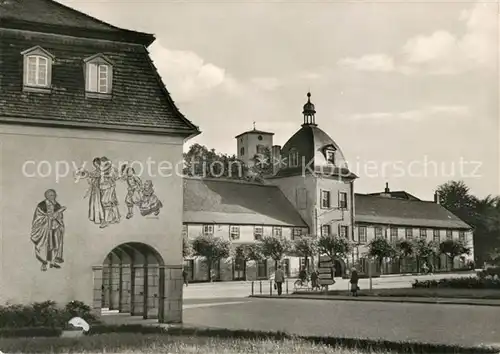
(354, 282)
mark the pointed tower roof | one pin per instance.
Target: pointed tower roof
(50, 16)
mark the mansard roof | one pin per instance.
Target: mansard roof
(220, 201)
(310, 143)
(50, 16)
(139, 101)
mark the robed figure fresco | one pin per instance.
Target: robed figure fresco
(47, 231)
(103, 203)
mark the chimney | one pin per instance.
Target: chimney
(276, 158)
(436, 198)
(387, 188)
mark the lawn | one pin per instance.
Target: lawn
(131, 343)
(424, 292)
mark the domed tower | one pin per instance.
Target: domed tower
(315, 177)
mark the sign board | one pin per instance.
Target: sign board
(325, 271)
(326, 264)
(325, 276)
(324, 259)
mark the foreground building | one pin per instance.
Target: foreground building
(310, 193)
(77, 96)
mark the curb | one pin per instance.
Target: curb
(431, 301)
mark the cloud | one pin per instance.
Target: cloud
(266, 83)
(441, 52)
(371, 62)
(415, 115)
(186, 74)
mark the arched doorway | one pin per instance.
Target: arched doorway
(132, 281)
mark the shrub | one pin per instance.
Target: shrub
(459, 283)
(492, 271)
(43, 314)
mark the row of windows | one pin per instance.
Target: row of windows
(326, 200)
(258, 231)
(326, 230)
(38, 71)
(393, 232)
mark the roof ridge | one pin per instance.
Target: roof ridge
(220, 179)
(84, 14)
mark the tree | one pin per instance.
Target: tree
(305, 247)
(456, 197)
(263, 163)
(424, 250)
(453, 248)
(249, 252)
(333, 246)
(213, 249)
(404, 250)
(380, 248)
(482, 214)
(200, 161)
(494, 257)
(186, 248)
(275, 248)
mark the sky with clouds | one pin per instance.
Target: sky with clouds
(409, 90)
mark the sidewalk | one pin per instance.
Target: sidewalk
(416, 300)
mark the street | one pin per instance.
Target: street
(444, 324)
(226, 305)
(243, 289)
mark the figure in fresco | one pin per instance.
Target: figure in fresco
(107, 186)
(103, 203)
(47, 231)
(134, 189)
(96, 211)
(149, 204)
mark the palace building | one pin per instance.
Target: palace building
(311, 193)
(78, 93)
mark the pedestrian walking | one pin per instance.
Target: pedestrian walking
(354, 282)
(212, 275)
(314, 280)
(279, 278)
(185, 276)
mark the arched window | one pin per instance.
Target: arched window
(98, 75)
(37, 71)
(293, 158)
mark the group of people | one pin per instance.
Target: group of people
(315, 285)
(103, 201)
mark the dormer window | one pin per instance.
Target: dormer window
(330, 156)
(293, 158)
(37, 73)
(98, 76)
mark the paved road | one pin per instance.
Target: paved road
(451, 324)
(243, 289)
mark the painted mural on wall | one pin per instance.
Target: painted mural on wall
(47, 231)
(103, 201)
